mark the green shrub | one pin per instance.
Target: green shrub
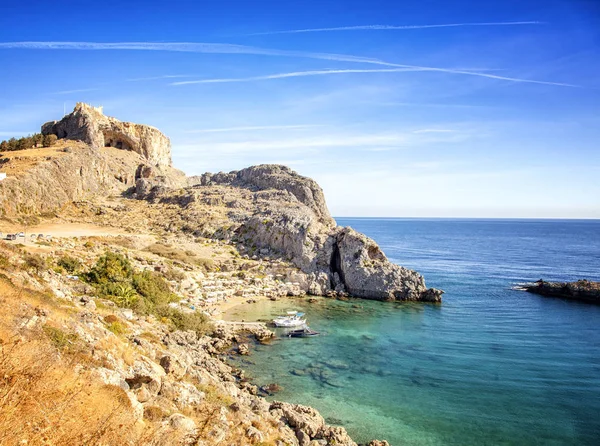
(174, 274)
(35, 262)
(49, 140)
(26, 142)
(122, 294)
(185, 321)
(146, 292)
(117, 328)
(69, 264)
(111, 267)
(60, 339)
(4, 262)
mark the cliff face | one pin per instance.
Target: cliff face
(88, 124)
(271, 208)
(84, 173)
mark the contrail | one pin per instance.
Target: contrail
(391, 27)
(291, 74)
(153, 78)
(80, 90)
(225, 48)
(404, 68)
(255, 127)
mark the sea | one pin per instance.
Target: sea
(491, 365)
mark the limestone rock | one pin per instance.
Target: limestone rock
(581, 290)
(378, 443)
(254, 435)
(145, 372)
(173, 366)
(181, 422)
(243, 349)
(336, 435)
(364, 271)
(300, 417)
(183, 394)
(287, 214)
(90, 125)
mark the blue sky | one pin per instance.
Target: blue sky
(397, 108)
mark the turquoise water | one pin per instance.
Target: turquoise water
(490, 365)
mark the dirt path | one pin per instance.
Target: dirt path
(75, 230)
(65, 230)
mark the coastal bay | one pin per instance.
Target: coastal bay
(489, 365)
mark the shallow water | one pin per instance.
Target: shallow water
(490, 365)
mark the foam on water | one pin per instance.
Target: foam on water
(491, 365)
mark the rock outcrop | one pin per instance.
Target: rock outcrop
(582, 290)
(276, 177)
(363, 270)
(90, 125)
(284, 213)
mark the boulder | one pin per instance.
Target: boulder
(180, 422)
(336, 435)
(378, 443)
(300, 417)
(254, 435)
(173, 366)
(243, 349)
(145, 372)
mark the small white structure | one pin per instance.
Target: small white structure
(2, 176)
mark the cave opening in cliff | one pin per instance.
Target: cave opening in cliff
(335, 266)
(117, 141)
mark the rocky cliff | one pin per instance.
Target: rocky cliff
(98, 156)
(271, 208)
(268, 208)
(90, 125)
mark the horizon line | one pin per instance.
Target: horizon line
(469, 218)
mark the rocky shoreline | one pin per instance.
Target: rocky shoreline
(581, 290)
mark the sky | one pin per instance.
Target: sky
(428, 108)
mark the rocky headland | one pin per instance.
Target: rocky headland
(122, 283)
(581, 290)
(267, 208)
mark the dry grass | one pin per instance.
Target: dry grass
(178, 255)
(119, 348)
(21, 161)
(43, 401)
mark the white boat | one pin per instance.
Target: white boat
(292, 319)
